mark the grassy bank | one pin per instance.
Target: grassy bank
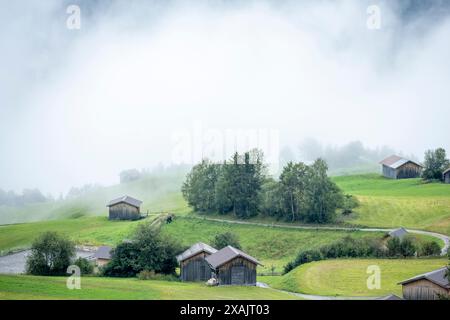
(348, 277)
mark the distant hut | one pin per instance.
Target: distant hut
(398, 233)
(231, 266)
(446, 176)
(395, 167)
(102, 256)
(427, 286)
(193, 266)
(124, 208)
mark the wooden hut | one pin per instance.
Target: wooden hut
(102, 256)
(395, 167)
(446, 176)
(427, 286)
(193, 266)
(124, 208)
(231, 266)
(398, 233)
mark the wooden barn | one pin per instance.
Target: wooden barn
(398, 233)
(102, 256)
(427, 286)
(446, 176)
(231, 266)
(124, 208)
(395, 167)
(193, 266)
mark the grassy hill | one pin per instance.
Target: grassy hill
(348, 277)
(391, 203)
(85, 230)
(271, 245)
(158, 193)
(32, 287)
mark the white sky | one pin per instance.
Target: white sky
(80, 106)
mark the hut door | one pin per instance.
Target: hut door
(237, 275)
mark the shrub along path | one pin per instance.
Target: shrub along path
(443, 237)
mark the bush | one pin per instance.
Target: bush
(401, 247)
(149, 250)
(51, 254)
(85, 266)
(430, 248)
(349, 203)
(151, 275)
(222, 240)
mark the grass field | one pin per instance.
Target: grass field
(86, 230)
(392, 203)
(32, 287)
(348, 277)
(158, 193)
(271, 245)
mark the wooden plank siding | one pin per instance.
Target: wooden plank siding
(406, 171)
(447, 177)
(238, 271)
(423, 290)
(195, 268)
(124, 211)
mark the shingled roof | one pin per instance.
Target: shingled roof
(398, 233)
(226, 254)
(396, 162)
(103, 252)
(126, 199)
(196, 249)
(437, 277)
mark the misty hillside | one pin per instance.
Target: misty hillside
(158, 193)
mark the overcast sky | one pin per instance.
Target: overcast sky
(79, 106)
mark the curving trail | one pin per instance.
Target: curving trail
(443, 237)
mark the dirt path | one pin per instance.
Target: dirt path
(443, 237)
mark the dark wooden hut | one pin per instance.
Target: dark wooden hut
(124, 208)
(427, 286)
(446, 176)
(231, 266)
(398, 233)
(193, 266)
(395, 167)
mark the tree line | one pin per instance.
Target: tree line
(241, 186)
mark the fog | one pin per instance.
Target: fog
(79, 106)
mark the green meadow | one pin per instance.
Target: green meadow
(348, 277)
(43, 288)
(389, 203)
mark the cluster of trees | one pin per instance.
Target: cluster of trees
(51, 255)
(28, 196)
(148, 251)
(241, 186)
(349, 247)
(435, 164)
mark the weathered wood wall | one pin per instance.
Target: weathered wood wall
(238, 271)
(422, 290)
(447, 177)
(389, 172)
(124, 211)
(195, 268)
(409, 170)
